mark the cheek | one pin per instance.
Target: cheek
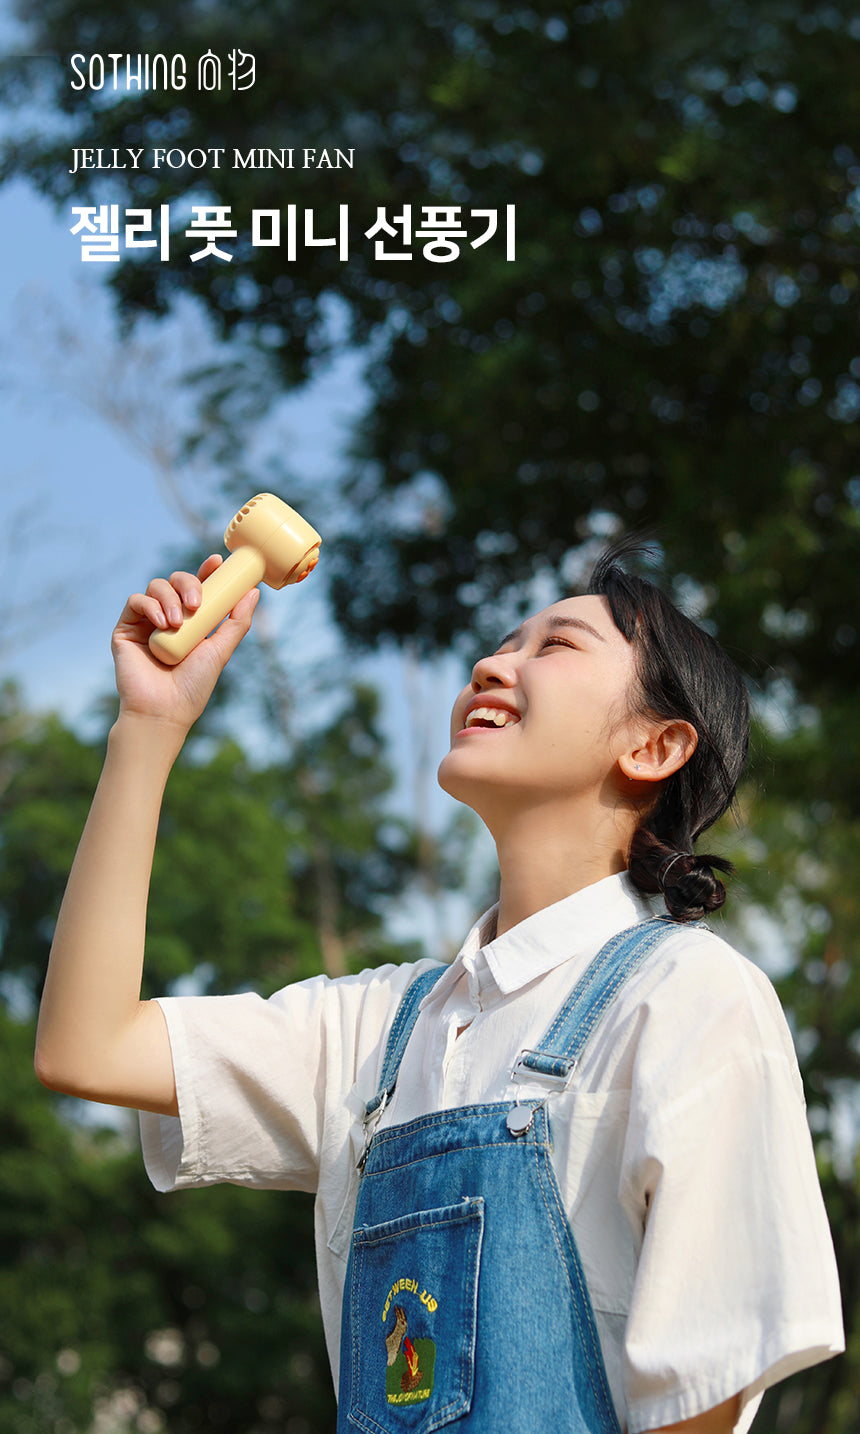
(579, 718)
(458, 709)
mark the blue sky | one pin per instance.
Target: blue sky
(89, 511)
(92, 521)
(89, 517)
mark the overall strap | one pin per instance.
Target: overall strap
(567, 1037)
(401, 1029)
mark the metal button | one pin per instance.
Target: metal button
(519, 1119)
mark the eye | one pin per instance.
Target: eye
(553, 640)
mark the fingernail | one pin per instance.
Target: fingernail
(192, 600)
(160, 620)
(175, 616)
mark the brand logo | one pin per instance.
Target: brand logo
(410, 1363)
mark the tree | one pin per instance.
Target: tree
(125, 1310)
(191, 1312)
(678, 325)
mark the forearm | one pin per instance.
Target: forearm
(91, 1021)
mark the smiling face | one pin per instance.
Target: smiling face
(544, 717)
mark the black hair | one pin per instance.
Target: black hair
(682, 674)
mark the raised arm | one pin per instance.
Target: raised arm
(96, 1038)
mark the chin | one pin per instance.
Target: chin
(445, 777)
(457, 783)
(459, 779)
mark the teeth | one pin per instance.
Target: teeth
(491, 714)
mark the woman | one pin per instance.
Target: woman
(565, 1183)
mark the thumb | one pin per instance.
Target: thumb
(226, 638)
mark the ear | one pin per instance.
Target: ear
(659, 752)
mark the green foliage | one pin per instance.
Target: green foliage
(47, 778)
(255, 867)
(188, 1312)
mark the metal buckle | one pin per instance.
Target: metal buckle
(522, 1075)
(370, 1123)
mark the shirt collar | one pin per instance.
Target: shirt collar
(574, 926)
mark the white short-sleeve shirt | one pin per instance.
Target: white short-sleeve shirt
(681, 1146)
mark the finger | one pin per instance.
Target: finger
(209, 566)
(167, 601)
(226, 638)
(167, 595)
(188, 587)
(143, 608)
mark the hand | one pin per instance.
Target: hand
(176, 695)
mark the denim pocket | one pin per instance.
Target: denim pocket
(414, 1301)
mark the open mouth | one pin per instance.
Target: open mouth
(490, 717)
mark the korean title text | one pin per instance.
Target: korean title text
(440, 231)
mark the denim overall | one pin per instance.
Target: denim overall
(465, 1299)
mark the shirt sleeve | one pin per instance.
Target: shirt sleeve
(266, 1087)
(736, 1285)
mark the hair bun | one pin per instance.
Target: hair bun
(688, 883)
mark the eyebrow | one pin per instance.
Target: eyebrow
(552, 622)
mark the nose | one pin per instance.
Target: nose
(496, 671)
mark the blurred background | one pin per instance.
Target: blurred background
(673, 349)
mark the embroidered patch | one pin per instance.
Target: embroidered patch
(410, 1363)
